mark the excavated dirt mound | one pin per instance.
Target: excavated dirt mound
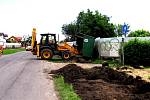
(101, 83)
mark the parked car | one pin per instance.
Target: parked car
(28, 48)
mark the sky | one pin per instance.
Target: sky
(18, 17)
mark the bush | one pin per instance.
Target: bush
(137, 52)
(139, 33)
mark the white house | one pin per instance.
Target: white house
(3, 40)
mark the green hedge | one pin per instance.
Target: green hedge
(137, 52)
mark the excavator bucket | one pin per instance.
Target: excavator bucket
(66, 46)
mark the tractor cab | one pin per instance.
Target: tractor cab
(47, 46)
(48, 40)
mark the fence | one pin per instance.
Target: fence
(13, 45)
(109, 47)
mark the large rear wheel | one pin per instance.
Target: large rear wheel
(46, 54)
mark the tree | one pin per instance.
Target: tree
(69, 29)
(26, 40)
(93, 24)
(118, 30)
(139, 33)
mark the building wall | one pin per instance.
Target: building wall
(2, 41)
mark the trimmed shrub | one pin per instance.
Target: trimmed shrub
(137, 52)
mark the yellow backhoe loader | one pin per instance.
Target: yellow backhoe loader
(49, 47)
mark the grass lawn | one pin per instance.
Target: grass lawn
(146, 67)
(11, 51)
(66, 91)
(97, 61)
(56, 60)
(111, 62)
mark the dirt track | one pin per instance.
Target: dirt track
(104, 83)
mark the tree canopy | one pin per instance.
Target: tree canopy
(69, 29)
(139, 33)
(90, 23)
(118, 30)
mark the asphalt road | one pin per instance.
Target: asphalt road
(22, 78)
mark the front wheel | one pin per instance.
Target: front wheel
(46, 54)
(66, 55)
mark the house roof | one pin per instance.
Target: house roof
(1, 34)
(5, 35)
(17, 38)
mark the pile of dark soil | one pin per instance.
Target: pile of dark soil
(102, 83)
(71, 72)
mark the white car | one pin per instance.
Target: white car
(28, 48)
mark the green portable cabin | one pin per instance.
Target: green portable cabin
(85, 44)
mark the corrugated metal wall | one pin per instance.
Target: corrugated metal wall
(109, 47)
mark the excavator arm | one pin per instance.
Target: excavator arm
(34, 42)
